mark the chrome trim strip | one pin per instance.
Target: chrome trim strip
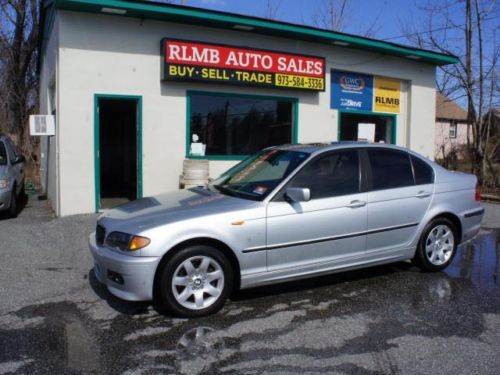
(477, 212)
(325, 239)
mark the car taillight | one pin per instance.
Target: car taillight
(477, 196)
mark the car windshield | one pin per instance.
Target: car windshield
(256, 177)
(3, 154)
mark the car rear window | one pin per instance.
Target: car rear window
(3, 154)
(423, 171)
(390, 169)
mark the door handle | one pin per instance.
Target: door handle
(356, 204)
(423, 194)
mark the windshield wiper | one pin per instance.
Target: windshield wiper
(225, 190)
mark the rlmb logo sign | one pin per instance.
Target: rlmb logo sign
(387, 95)
(196, 61)
(362, 92)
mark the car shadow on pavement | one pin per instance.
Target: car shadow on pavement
(247, 295)
(21, 205)
(329, 280)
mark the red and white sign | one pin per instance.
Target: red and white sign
(211, 55)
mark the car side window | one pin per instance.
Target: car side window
(3, 154)
(390, 169)
(424, 174)
(331, 175)
(11, 149)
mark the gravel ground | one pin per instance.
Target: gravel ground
(56, 318)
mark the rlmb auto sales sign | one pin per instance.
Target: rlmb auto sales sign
(195, 61)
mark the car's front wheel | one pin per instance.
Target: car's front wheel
(195, 282)
(437, 245)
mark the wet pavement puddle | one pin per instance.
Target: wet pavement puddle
(388, 319)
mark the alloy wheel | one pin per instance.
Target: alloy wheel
(198, 282)
(439, 244)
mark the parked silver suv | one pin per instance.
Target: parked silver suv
(286, 213)
(11, 176)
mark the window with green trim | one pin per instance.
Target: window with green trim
(232, 125)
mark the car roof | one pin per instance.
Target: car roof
(313, 148)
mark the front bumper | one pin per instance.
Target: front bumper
(5, 196)
(137, 273)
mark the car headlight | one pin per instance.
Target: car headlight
(4, 184)
(126, 242)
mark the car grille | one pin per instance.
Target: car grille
(100, 233)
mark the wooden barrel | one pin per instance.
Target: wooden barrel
(194, 173)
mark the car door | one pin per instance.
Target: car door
(330, 226)
(395, 204)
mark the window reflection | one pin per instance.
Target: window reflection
(231, 125)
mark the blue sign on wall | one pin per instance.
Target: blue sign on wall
(352, 91)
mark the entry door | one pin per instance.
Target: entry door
(383, 127)
(118, 151)
(396, 206)
(330, 227)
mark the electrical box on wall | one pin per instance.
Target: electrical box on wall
(42, 125)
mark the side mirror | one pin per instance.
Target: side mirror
(19, 159)
(298, 194)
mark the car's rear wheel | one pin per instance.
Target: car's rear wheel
(195, 282)
(13, 203)
(437, 245)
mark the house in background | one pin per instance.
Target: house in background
(451, 127)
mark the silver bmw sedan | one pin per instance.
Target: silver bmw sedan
(286, 213)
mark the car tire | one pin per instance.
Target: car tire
(13, 203)
(195, 282)
(22, 192)
(437, 245)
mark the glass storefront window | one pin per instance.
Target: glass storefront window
(231, 125)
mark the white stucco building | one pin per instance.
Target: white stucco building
(131, 82)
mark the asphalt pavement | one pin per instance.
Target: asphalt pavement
(55, 318)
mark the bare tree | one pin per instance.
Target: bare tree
(18, 81)
(336, 14)
(473, 79)
(272, 9)
(332, 14)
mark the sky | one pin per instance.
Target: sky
(388, 13)
(389, 16)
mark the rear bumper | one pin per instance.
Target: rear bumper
(137, 273)
(471, 223)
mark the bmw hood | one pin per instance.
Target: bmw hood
(174, 206)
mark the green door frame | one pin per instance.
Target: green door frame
(368, 113)
(97, 167)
